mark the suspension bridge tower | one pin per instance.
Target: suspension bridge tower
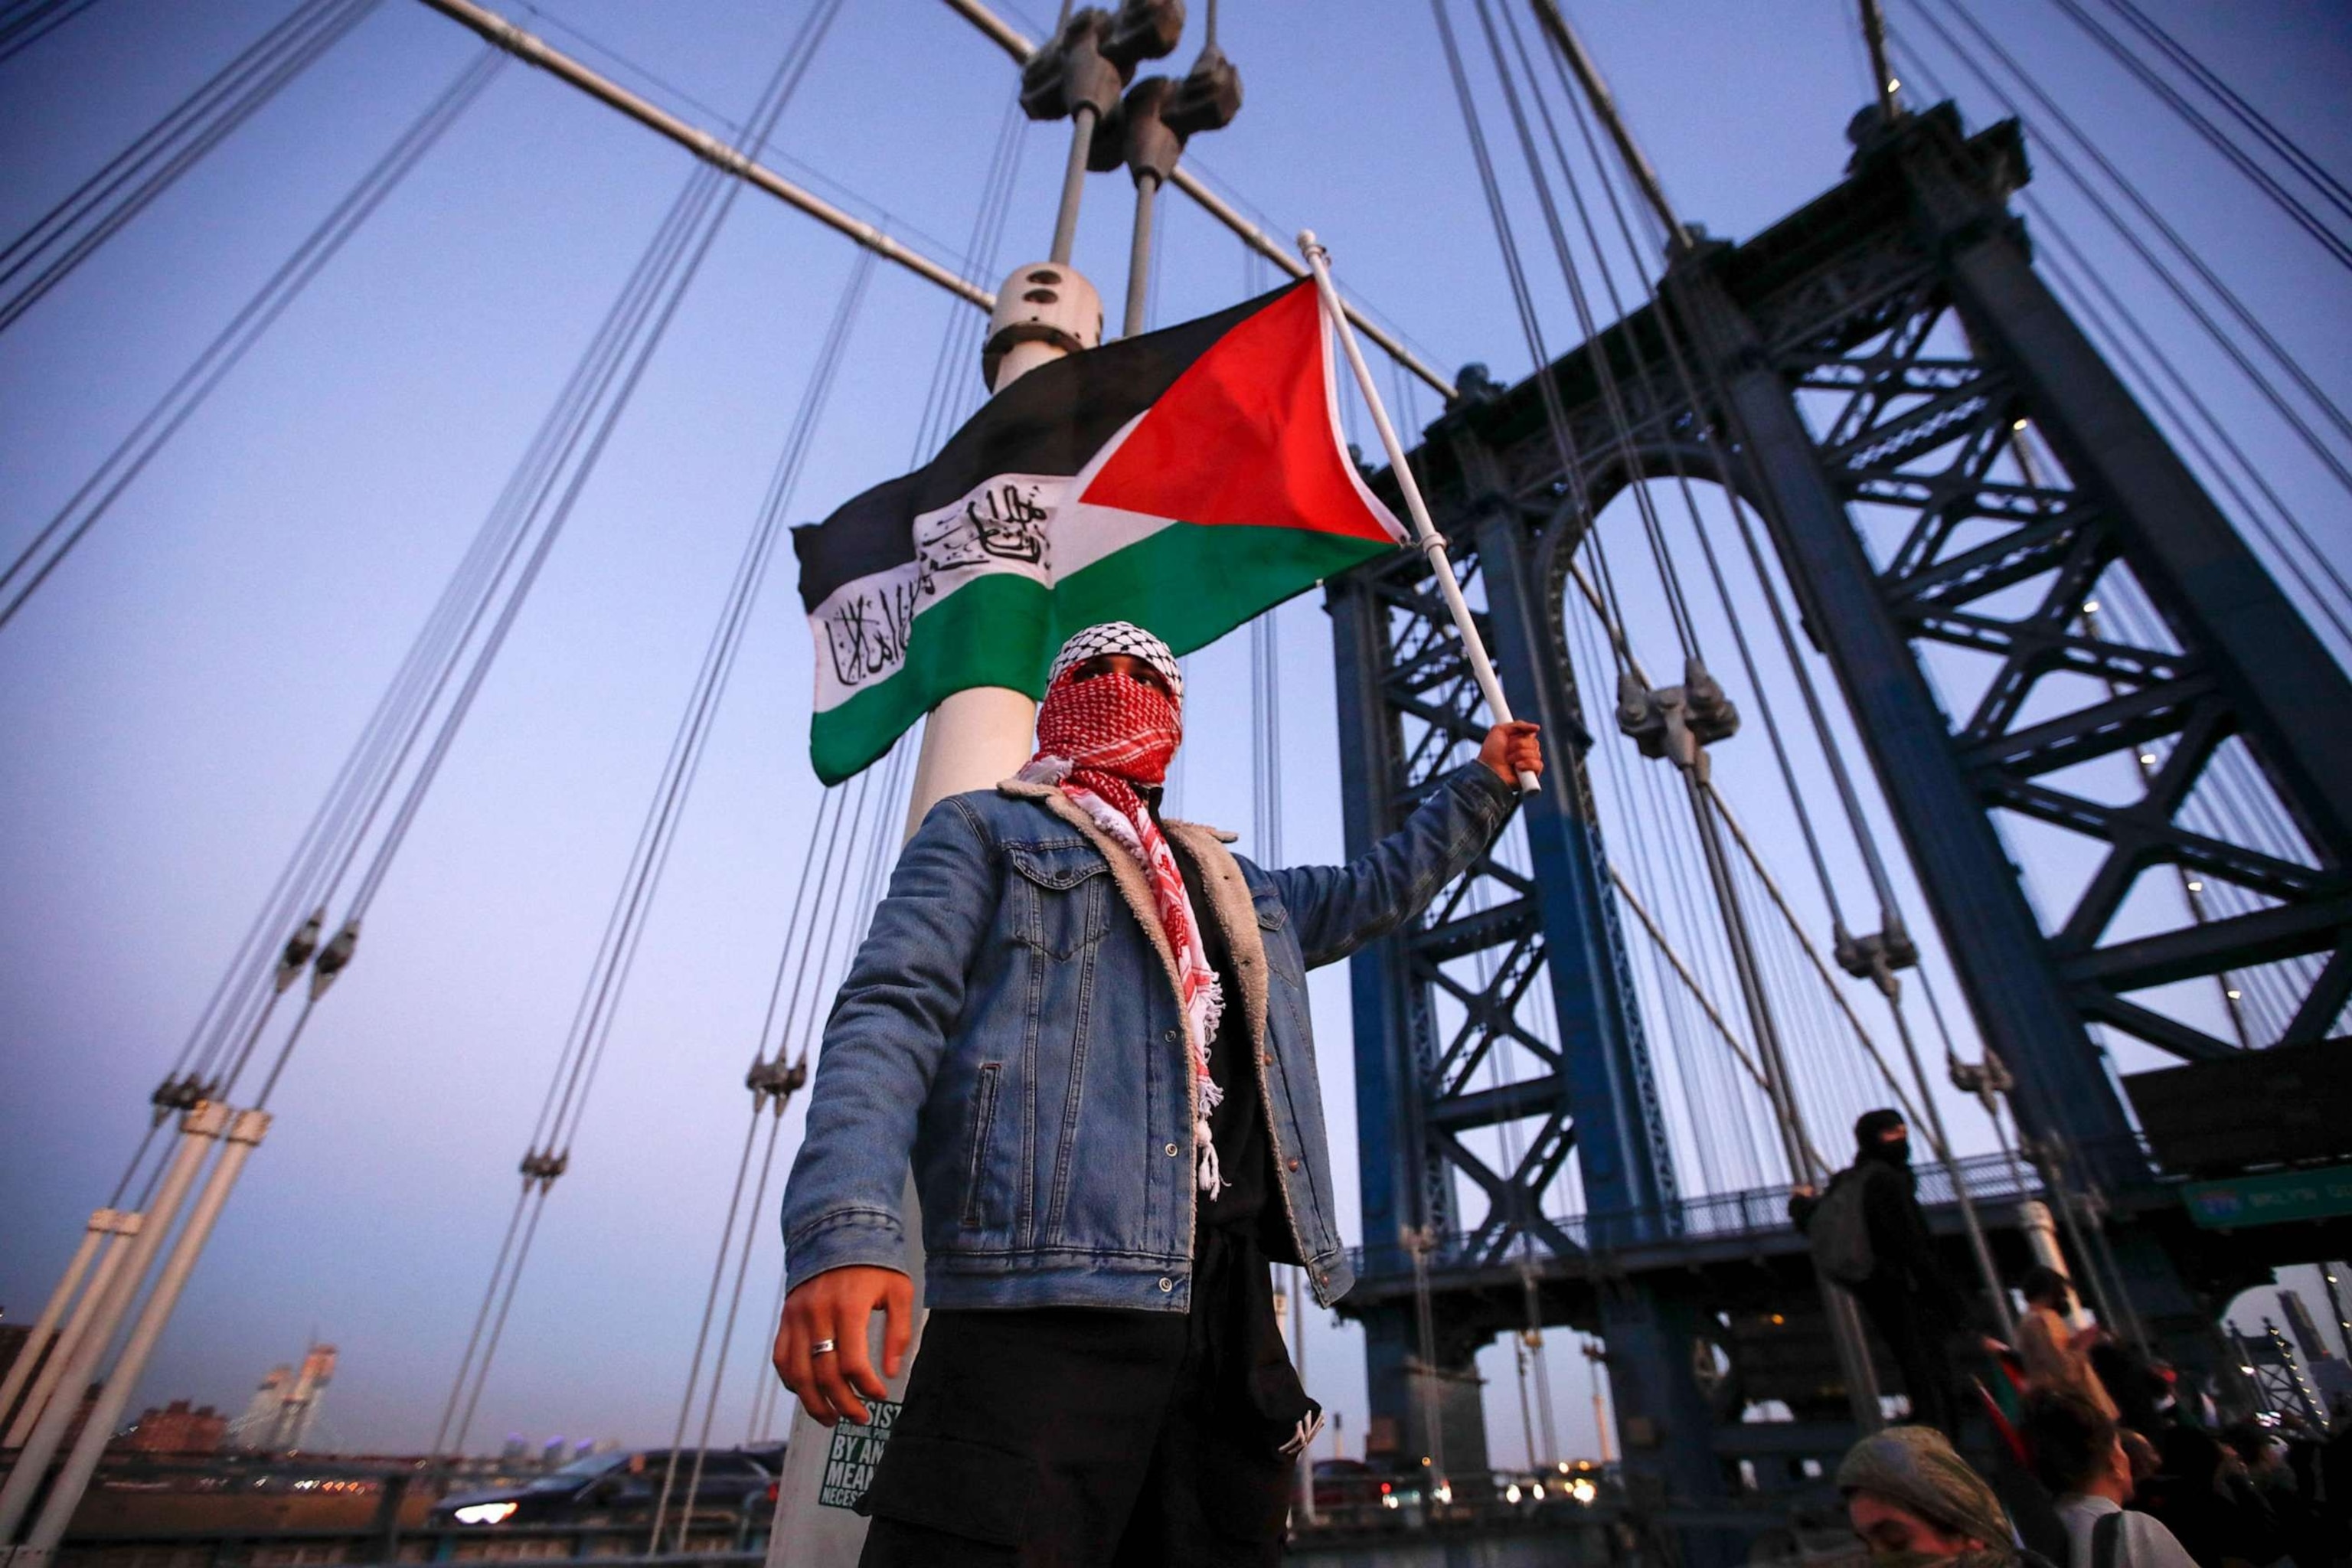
(1888, 352)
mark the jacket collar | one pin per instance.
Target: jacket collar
(1230, 904)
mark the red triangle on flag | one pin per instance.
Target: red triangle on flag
(1246, 437)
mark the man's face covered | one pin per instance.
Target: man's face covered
(1114, 706)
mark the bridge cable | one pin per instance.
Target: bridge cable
(1603, 375)
(1889, 913)
(34, 561)
(1785, 1107)
(2245, 113)
(1555, 418)
(22, 27)
(2093, 301)
(183, 1084)
(64, 236)
(2288, 517)
(770, 1082)
(660, 272)
(2327, 406)
(425, 670)
(1621, 425)
(2238, 795)
(2263, 179)
(676, 257)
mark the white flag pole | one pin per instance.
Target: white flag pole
(1432, 544)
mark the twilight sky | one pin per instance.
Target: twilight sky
(176, 701)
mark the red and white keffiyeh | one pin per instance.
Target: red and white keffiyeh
(1102, 740)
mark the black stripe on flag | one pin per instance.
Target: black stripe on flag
(1051, 421)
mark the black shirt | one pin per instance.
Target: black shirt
(1248, 1201)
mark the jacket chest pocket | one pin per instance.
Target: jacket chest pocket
(1281, 944)
(1058, 900)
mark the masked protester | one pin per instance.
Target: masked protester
(1913, 1501)
(1910, 1299)
(1086, 1024)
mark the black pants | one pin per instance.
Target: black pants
(1067, 1438)
(1916, 1338)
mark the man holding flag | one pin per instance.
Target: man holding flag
(1088, 1027)
(1085, 1026)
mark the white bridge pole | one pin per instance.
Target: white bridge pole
(244, 1134)
(200, 1125)
(101, 1226)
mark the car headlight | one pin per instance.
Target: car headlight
(486, 1512)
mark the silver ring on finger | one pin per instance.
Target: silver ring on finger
(823, 1347)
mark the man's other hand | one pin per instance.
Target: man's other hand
(837, 1305)
(1513, 749)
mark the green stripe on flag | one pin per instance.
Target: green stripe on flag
(1190, 584)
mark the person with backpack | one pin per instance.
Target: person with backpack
(2078, 1453)
(1869, 1235)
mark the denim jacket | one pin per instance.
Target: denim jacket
(1011, 1026)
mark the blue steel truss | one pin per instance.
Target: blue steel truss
(1948, 471)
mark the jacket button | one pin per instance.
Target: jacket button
(1166, 1283)
(1294, 1164)
(1171, 1151)
(1171, 1037)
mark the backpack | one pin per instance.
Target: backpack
(2107, 1541)
(1840, 1232)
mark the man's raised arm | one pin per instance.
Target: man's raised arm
(1337, 909)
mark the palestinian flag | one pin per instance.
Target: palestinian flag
(1184, 479)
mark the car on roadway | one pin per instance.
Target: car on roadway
(619, 1489)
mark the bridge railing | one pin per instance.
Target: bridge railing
(1993, 1181)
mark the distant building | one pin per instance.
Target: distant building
(515, 1450)
(551, 1456)
(176, 1429)
(284, 1411)
(300, 1413)
(255, 1428)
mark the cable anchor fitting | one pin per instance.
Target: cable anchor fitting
(1677, 723)
(1876, 957)
(299, 949)
(1985, 1079)
(183, 1093)
(775, 1081)
(543, 1167)
(333, 958)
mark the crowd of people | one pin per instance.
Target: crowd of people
(2097, 1462)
